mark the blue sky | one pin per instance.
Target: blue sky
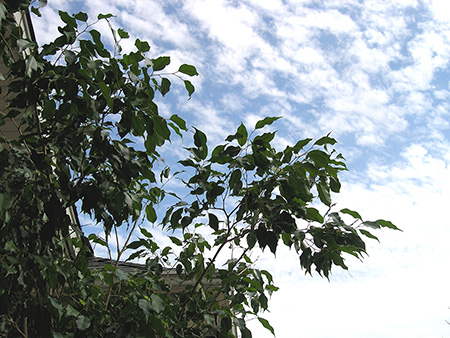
(375, 74)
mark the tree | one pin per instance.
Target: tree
(81, 107)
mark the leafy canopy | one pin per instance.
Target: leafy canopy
(77, 108)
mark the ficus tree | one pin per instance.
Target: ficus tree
(78, 108)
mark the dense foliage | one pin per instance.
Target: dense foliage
(77, 107)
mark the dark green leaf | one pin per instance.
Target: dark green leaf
(67, 19)
(352, 213)
(160, 63)
(213, 222)
(143, 47)
(123, 34)
(5, 202)
(325, 140)
(242, 131)
(200, 141)
(324, 193)
(104, 16)
(387, 224)
(94, 238)
(175, 240)
(151, 213)
(188, 70)
(30, 65)
(266, 121)
(189, 87)
(146, 233)
(165, 86)
(70, 56)
(81, 16)
(335, 185)
(106, 92)
(266, 324)
(179, 122)
(368, 234)
(251, 239)
(301, 144)
(135, 245)
(319, 157)
(314, 215)
(160, 127)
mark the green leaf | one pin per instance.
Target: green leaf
(200, 142)
(352, 213)
(30, 65)
(301, 144)
(122, 275)
(71, 311)
(57, 305)
(175, 240)
(368, 234)
(5, 202)
(104, 16)
(242, 131)
(266, 324)
(165, 86)
(188, 70)
(179, 122)
(123, 34)
(69, 56)
(325, 140)
(319, 157)
(335, 185)
(373, 225)
(106, 92)
(67, 19)
(134, 245)
(213, 222)
(189, 87)
(314, 215)
(160, 127)
(3, 12)
(146, 306)
(157, 303)
(143, 47)
(266, 121)
(151, 213)
(246, 333)
(235, 181)
(251, 239)
(387, 224)
(160, 63)
(24, 44)
(146, 233)
(324, 193)
(94, 238)
(81, 16)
